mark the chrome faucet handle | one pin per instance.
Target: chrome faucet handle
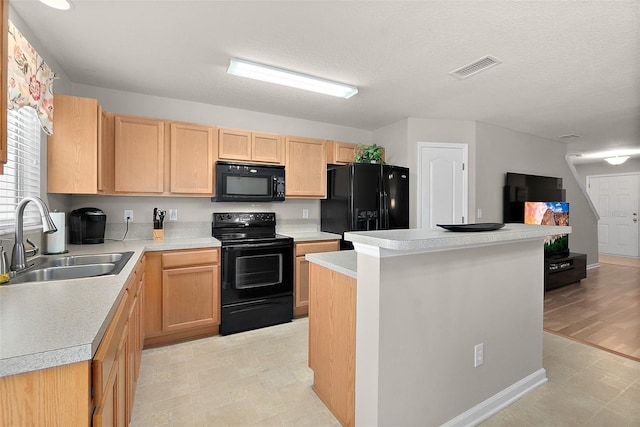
(34, 249)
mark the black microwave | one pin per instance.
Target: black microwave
(241, 182)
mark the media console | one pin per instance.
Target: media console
(562, 271)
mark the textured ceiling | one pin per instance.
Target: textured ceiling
(568, 67)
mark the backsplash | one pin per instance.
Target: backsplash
(194, 214)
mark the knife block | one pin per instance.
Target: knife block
(158, 234)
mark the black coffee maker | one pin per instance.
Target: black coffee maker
(87, 226)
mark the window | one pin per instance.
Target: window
(21, 176)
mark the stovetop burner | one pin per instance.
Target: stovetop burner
(245, 227)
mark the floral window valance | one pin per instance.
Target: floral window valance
(30, 79)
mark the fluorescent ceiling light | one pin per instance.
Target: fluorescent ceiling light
(57, 4)
(617, 160)
(266, 73)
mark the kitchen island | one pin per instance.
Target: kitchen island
(447, 327)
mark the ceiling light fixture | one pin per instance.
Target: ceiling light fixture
(57, 4)
(617, 160)
(266, 73)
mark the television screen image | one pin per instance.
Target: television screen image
(550, 213)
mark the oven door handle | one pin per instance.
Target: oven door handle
(256, 245)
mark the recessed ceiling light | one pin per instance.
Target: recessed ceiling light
(57, 4)
(617, 160)
(266, 73)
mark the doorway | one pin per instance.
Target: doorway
(442, 184)
(615, 198)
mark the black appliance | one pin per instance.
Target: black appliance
(256, 270)
(365, 196)
(520, 188)
(240, 182)
(87, 226)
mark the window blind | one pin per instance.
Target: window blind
(21, 176)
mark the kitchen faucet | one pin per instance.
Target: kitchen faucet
(19, 254)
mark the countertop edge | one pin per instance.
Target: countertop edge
(343, 262)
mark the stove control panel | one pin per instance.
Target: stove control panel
(244, 219)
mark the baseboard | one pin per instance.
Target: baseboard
(590, 266)
(499, 401)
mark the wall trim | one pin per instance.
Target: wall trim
(498, 401)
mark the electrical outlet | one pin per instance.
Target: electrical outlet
(128, 215)
(479, 213)
(305, 213)
(478, 355)
(173, 214)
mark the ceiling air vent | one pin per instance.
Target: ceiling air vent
(475, 67)
(569, 136)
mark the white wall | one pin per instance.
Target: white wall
(409, 132)
(502, 150)
(604, 168)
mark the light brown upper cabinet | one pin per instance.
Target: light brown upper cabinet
(192, 158)
(248, 146)
(139, 155)
(305, 167)
(77, 151)
(4, 33)
(340, 153)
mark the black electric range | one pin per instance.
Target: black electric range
(256, 271)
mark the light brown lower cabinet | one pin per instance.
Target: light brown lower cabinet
(182, 295)
(117, 360)
(62, 395)
(301, 272)
(332, 340)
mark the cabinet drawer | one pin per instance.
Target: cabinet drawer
(187, 258)
(106, 355)
(314, 247)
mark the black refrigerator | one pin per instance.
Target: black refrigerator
(365, 196)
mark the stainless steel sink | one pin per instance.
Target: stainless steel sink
(88, 259)
(73, 267)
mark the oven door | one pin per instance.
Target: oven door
(256, 270)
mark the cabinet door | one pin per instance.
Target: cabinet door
(344, 152)
(302, 283)
(72, 151)
(192, 158)
(190, 297)
(305, 168)
(234, 144)
(267, 148)
(139, 155)
(111, 411)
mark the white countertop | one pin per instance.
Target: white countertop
(45, 324)
(344, 262)
(397, 242)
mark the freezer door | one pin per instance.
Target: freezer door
(396, 197)
(365, 196)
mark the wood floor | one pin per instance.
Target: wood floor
(602, 310)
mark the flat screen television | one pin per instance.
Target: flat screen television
(550, 213)
(520, 188)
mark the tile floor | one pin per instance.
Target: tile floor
(261, 378)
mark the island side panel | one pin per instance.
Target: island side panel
(433, 309)
(332, 320)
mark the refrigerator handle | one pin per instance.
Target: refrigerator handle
(384, 201)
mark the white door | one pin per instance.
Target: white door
(442, 184)
(616, 200)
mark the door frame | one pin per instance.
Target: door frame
(465, 179)
(588, 188)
